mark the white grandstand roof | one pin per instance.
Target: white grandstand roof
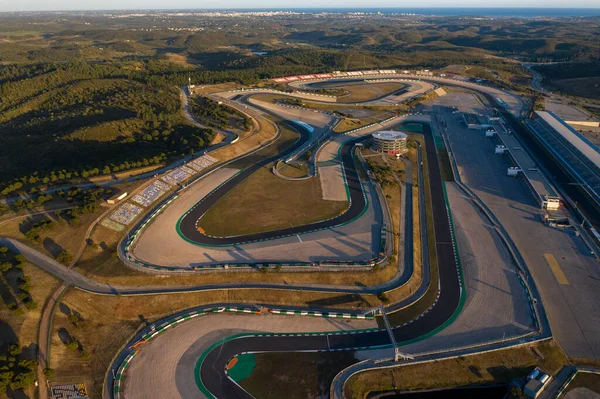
(390, 135)
(572, 136)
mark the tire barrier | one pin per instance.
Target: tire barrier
(322, 314)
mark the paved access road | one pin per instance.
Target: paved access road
(450, 285)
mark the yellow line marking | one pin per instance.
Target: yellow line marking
(555, 267)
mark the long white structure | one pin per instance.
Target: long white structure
(576, 139)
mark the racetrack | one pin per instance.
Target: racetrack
(189, 224)
(450, 286)
(212, 370)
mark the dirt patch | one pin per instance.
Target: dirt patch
(333, 185)
(584, 385)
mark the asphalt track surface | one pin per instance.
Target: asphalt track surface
(326, 84)
(560, 177)
(212, 369)
(189, 223)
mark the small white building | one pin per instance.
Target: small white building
(537, 381)
(513, 171)
(116, 198)
(500, 149)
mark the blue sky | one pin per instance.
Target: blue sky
(40, 5)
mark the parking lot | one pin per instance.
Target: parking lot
(569, 302)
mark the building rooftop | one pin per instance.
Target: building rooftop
(390, 135)
(579, 157)
(540, 184)
(576, 139)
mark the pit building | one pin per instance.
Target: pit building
(575, 154)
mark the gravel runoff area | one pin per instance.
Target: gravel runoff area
(581, 393)
(416, 88)
(332, 183)
(318, 120)
(572, 308)
(160, 243)
(307, 96)
(496, 305)
(164, 367)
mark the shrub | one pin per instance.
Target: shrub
(49, 372)
(64, 257)
(73, 345)
(383, 297)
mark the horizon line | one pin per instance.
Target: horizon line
(334, 7)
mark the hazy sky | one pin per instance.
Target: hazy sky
(43, 5)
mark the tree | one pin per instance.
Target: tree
(23, 380)
(14, 350)
(49, 372)
(64, 257)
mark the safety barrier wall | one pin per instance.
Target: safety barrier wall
(572, 376)
(321, 314)
(325, 98)
(328, 265)
(117, 386)
(502, 233)
(386, 235)
(369, 364)
(220, 267)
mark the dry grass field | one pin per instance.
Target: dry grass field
(369, 91)
(312, 374)
(25, 327)
(265, 202)
(289, 203)
(494, 367)
(105, 323)
(294, 171)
